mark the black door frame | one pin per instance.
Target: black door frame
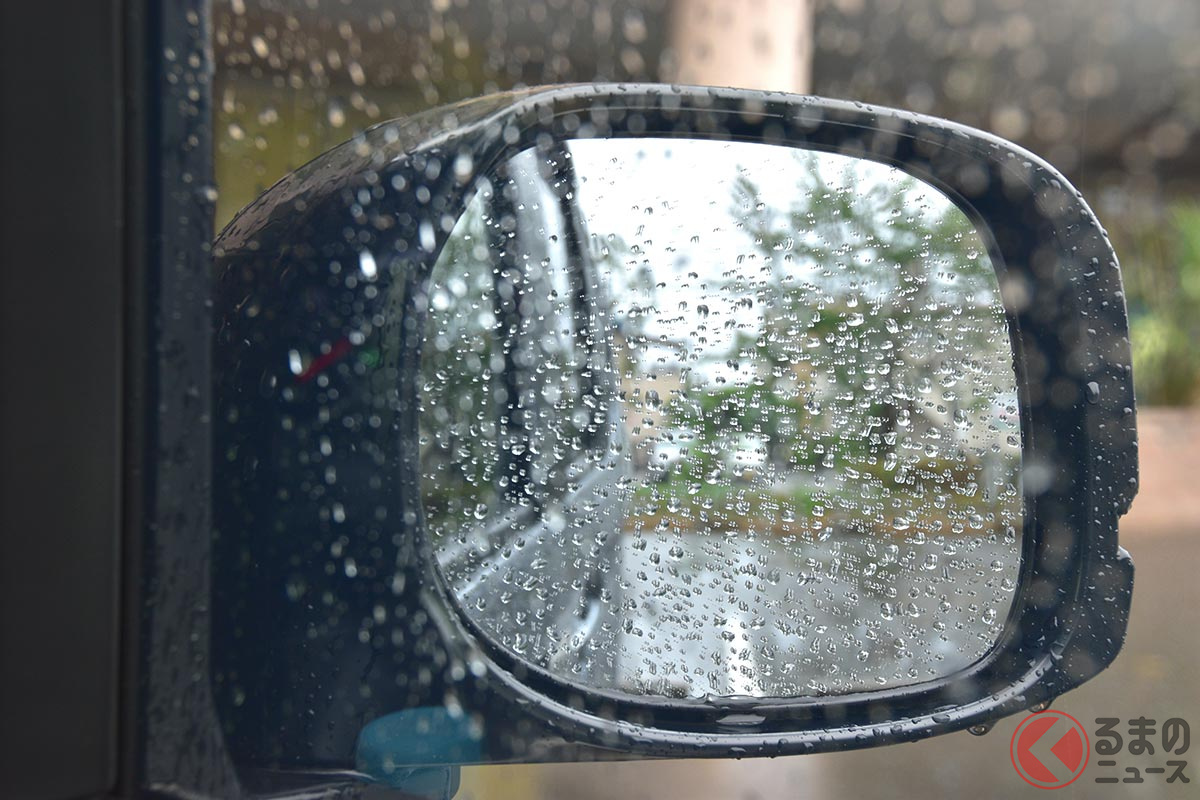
(106, 207)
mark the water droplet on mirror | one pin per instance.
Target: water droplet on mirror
(366, 264)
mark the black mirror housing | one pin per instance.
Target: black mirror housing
(328, 610)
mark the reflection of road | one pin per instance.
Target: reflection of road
(693, 615)
(720, 615)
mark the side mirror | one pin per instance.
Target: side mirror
(619, 421)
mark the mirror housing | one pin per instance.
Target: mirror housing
(333, 258)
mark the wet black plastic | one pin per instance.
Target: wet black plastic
(397, 191)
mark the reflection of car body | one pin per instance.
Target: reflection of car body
(497, 566)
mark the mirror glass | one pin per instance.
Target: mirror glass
(708, 418)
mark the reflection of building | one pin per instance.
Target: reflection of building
(647, 394)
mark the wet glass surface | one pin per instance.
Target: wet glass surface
(712, 418)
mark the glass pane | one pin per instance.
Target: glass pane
(717, 418)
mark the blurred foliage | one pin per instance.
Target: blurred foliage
(263, 132)
(680, 503)
(857, 282)
(1162, 283)
(886, 303)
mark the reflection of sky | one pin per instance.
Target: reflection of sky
(674, 203)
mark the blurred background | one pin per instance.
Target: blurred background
(1106, 90)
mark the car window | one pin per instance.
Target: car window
(566, 285)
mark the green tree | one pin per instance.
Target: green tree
(1162, 282)
(873, 273)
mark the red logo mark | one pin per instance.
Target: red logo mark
(1049, 749)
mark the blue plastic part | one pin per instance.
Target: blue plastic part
(416, 750)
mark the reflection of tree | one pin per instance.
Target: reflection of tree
(870, 275)
(877, 328)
